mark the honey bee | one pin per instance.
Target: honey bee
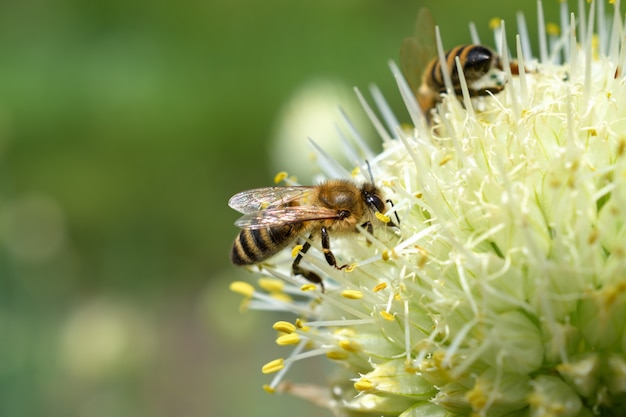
(482, 68)
(274, 217)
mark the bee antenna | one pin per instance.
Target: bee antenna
(369, 169)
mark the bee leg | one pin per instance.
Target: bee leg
(298, 270)
(330, 257)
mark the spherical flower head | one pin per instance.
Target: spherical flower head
(503, 289)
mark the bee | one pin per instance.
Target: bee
(274, 217)
(482, 67)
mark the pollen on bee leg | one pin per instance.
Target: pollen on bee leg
(296, 250)
(281, 176)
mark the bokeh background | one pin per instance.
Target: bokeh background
(125, 126)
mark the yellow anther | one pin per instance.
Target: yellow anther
(308, 287)
(380, 286)
(300, 325)
(281, 296)
(380, 216)
(350, 268)
(445, 160)
(349, 345)
(495, 23)
(268, 389)
(272, 284)
(553, 29)
(352, 294)
(419, 195)
(336, 355)
(476, 397)
(355, 172)
(296, 250)
(385, 255)
(242, 288)
(363, 384)
(387, 316)
(281, 176)
(273, 366)
(284, 326)
(287, 339)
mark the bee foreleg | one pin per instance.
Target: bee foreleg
(298, 270)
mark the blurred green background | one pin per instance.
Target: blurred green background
(125, 126)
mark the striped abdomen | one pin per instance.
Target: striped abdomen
(256, 245)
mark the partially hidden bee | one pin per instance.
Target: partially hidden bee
(481, 66)
(275, 217)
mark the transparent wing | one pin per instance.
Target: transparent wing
(251, 201)
(284, 215)
(418, 51)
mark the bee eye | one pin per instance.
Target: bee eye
(375, 202)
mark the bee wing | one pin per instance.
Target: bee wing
(252, 201)
(416, 52)
(279, 216)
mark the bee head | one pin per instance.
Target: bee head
(373, 198)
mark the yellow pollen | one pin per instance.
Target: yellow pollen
(300, 325)
(553, 29)
(494, 23)
(336, 355)
(281, 176)
(355, 172)
(593, 132)
(242, 288)
(419, 195)
(380, 216)
(296, 250)
(363, 384)
(445, 160)
(308, 287)
(288, 339)
(284, 326)
(387, 316)
(281, 296)
(272, 284)
(268, 389)
(476, 397)
(385, 255)
(380, 286)
(350, 268)
(352, 294)
(273, 366)
(593, 237)
(349, 345)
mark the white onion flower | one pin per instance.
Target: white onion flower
(504, 292)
